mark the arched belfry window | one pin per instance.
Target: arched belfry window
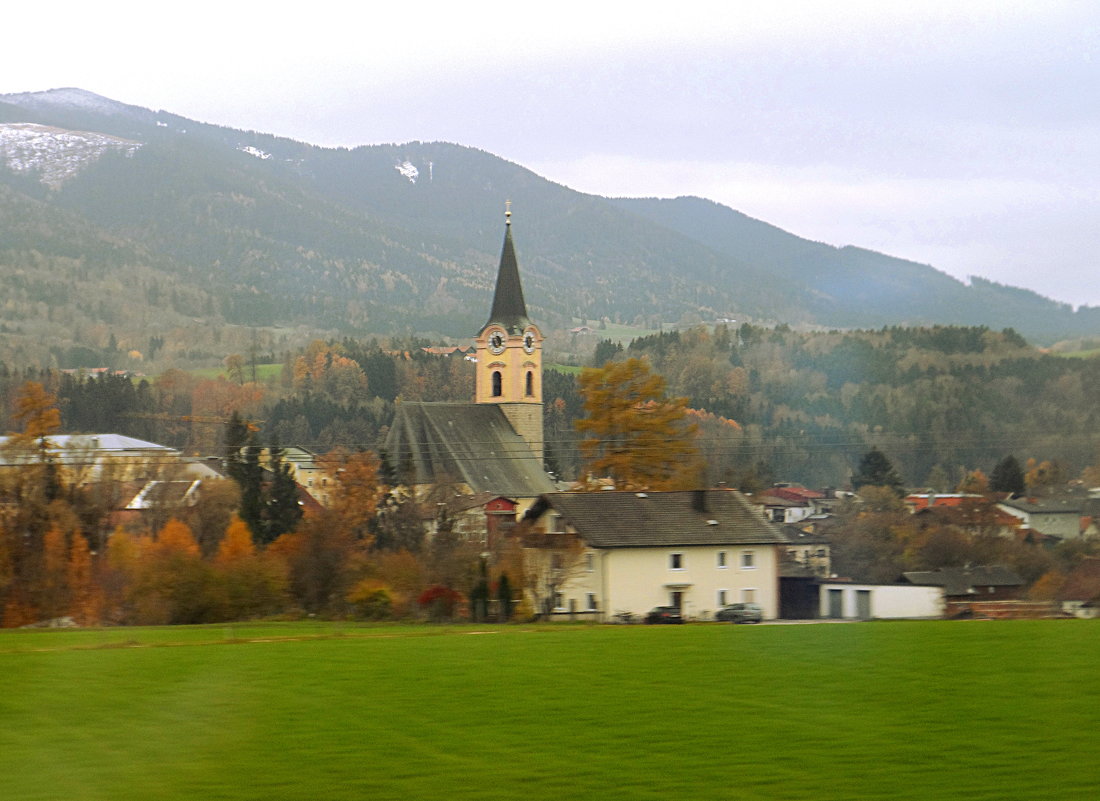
(530, 383)
(498, 388)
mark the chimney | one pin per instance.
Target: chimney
(699, 500)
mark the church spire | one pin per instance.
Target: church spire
(509, 309)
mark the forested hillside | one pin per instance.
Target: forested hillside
(770, 404)
(206, 239)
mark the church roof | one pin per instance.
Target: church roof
(509, 309)
(466, 443)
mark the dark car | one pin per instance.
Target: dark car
(664, 614)
(740, 613)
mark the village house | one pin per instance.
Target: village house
(1062, 517)
(87, 458)
(599, 553)
(483, 517)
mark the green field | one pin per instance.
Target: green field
(929, 710)
(264, 372)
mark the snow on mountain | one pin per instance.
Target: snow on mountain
(255, 151)
(408, 169)
(55, 154)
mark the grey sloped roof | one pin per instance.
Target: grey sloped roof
(1048, 506)
(959, 580)
(468, 443)
(77, 448)
(655, 519)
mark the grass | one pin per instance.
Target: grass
(263, 372)
(568, 369)
(930, 710)
(1081, 354)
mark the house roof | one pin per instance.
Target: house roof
(467, 443)
(972, 514)
(798, 536)
(77, 447)
(923, 500)
(797, 495)
(509, 309)
(165, 495)
(655, 519)
(1047, 506)
(961, 580)
(779, 501)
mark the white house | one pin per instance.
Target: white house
(601, 553)
(1057, 517)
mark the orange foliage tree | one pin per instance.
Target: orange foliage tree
(634, 434)
(171, 583)
(253, 583)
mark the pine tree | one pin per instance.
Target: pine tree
(283, 509)
(504, 597)
(1007, 476)
(875, 470)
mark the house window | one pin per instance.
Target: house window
(498, 384)
(556, 561)
(675, 561)
(722, 597)
(748, 560)
(559, 601)
(748, 595)
(722, 559)
(590, 562)
(530, 389)
(591, 601)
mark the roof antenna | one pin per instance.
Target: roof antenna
(507, 212)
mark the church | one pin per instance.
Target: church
(494, 444)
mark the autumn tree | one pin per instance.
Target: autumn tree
(37, 410)
(170, 582)
(356, 490)
(85, 596)
(975, 482)
(253, 583)
(323, 562)
(1042, 477)
(634, 434)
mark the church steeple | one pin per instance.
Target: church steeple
(509, 309)
(509, 352)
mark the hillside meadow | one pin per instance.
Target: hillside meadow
(910, 710)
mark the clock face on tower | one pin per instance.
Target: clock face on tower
(529, 342)
(496, 342)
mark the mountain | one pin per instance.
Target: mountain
(124, 224)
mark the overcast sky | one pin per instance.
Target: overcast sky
(965, 135)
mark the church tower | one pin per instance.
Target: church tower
(509, 352)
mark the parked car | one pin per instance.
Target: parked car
(664, 614)
(740, 613)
